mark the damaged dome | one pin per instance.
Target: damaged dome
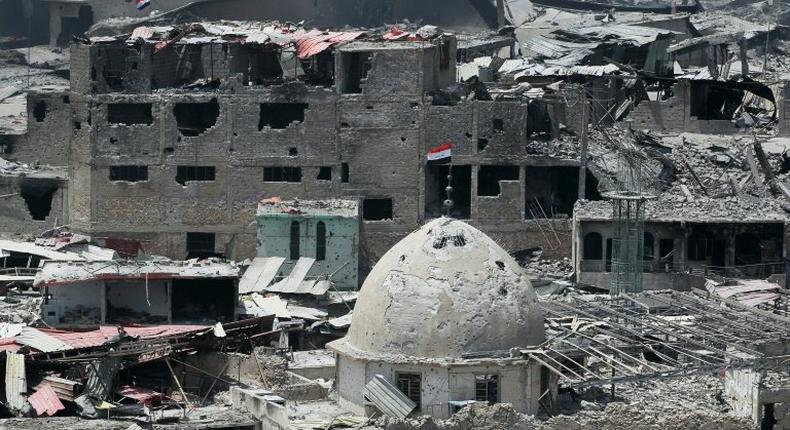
(445, 290)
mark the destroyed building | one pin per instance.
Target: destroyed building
(577, 221)
(291, 113)
(436, 318)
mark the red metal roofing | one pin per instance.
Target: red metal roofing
(9, 344)
(315, 42)
(45, 401)
(142, 395)
(87, 339)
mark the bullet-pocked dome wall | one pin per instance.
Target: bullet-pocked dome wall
(444, 290)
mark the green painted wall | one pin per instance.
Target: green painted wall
(342, 244)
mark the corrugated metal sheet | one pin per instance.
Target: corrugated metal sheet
(45, 401)
(272, 305)
(64, 388)
(292, 282)
(316, 42)
(260, 274)
(387, 398)
(141, 395)
(100, 376)
(41, 341)
(15, 381)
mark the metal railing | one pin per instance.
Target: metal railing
(758, 271)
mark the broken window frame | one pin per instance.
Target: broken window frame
(410, 384)
(282, 174)
(485, 386)
(186, 174)
(128, 173)
(267, 111)
(134, 114)
(368, 211)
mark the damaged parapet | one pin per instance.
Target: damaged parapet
(444, 304)
(148, 292)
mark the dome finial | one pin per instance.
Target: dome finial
(448, 202)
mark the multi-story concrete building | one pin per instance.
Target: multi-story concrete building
(172, 138)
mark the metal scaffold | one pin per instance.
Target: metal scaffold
(628, 221)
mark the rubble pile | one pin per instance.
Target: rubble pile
(547, 268)
(20, 308)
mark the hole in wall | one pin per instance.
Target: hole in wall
(280, 115)
(500, 264)
(376, 209)
(40, 111)
(129, 113)
(488, 178)
(193, 119)
(324, 173)
(293, 152)
(77, 125)
(168, 150)
(38, 194)
(481, 144)
(282, 174)
(498, 124)
(344, 172)
(66, 100)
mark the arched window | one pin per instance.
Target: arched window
(320, 241)
(649, 246)
(697, 247)
(295, 240)
(593, 246)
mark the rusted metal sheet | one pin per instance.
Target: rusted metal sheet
(64, 388)
(45, 401)
(15, 381)
(141, 395)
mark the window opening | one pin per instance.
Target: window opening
(320, 241)
(295, 236)
(129, 173)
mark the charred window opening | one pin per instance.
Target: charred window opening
(267, 69)
(320, 69)
(551, 191)
(324, 173)
(129, 113)
(649, 243)
(697, 246)
(538, 119)
(320, 241)
(201, 245)
(592, 248)
(481, 144)
(129, 173)
(714, 102)
(444, 56)
(666, 249)
(488, 178)
(40, 111)
(296, 236)
(498, 125)
(282, 174)
(376, 209)
(115, 66)
(487, 388)
(280, 115)
(74, 26)
(410, 385)
(356, 66)
(38, 195)
(186, 174)
(436, 193)
(193, 119)
(344, 172)
(203, 300)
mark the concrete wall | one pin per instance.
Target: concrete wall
(519, 384)
(342, 245)
(67, 303)
(381, 134)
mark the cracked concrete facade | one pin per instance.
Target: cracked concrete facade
(370, 142)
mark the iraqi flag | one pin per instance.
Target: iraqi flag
(441, 154)
(142, 4)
